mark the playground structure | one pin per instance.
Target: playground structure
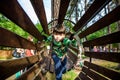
(13, 11)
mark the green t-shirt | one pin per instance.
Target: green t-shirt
(60, 48)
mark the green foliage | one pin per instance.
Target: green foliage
(70, 75)
(115, 45)
(103, 32)
(69, 26)
(113, 27)
(40, 29)
(7, 24)
(3, 18)
(96, 34)
(107, 64)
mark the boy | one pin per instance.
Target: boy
(58, 49)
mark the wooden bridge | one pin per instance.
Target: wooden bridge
(90, 71)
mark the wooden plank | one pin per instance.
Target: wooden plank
(92, 74)
(10, 39)
(13, 11)
(108, 39)
(90, 13)
(82, 76)
(31, 73)
(106, 72)
(113, 16)
(10, 67)
(72, 56)
(74, 49)
(109, 56)
(63, 9)
(40, 11)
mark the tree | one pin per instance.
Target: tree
(55, 4)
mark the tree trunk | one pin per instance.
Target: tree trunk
(76, 12)
(85, 5)
(55, 10)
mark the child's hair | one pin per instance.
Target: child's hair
(59, 29)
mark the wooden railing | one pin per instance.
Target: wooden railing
(91, 70)
(13, 11)
(10, 67)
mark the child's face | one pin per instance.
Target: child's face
(59, 37)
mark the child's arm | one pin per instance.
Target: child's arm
(74, 43)
(73, 40)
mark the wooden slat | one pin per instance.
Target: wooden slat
(82, 76)
(10, 39)
(92, 74)
(10, 67)
(106, 72)
(72, 56)
(90, 13)
(108, 39)
(103, 22)
(40, 11)
(31, 73)
(63, 9)
(74, 49)
(13, 11)
(110, 56)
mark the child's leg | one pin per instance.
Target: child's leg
(64, 64)
(58, 66)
